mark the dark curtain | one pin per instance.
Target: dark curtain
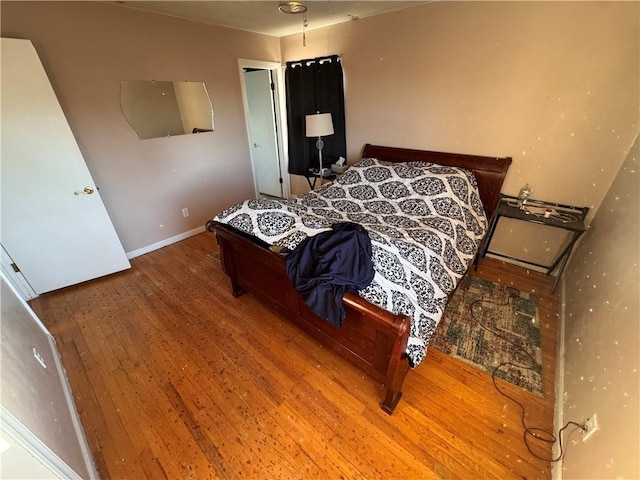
(314, 85)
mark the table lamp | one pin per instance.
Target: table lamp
(319, 125)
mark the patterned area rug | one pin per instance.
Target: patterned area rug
(486, 324)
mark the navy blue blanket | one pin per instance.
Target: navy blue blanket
(326, 266)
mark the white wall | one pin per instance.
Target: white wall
(602, 335)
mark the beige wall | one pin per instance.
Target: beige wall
(87, 48)
(553, 85)
(602, 334)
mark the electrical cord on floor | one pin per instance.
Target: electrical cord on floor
(535, 432)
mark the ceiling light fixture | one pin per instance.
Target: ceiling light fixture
(292, 7)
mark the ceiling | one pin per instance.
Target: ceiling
(264, 16)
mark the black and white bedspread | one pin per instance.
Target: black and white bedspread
(425, 222)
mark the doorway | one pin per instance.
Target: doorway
(262, 92)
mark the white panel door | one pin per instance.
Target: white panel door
(262, 132)
(55, 236)
(36, 402)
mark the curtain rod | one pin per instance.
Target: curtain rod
(310, 61)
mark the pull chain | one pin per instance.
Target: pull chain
(304, 26)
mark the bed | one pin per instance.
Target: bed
(405, 199)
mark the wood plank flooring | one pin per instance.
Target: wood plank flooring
(174, 378)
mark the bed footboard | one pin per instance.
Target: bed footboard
(372, 338)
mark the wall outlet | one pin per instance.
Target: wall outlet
(185, 212)
(590, 427)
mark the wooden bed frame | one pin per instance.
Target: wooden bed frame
(371, 338)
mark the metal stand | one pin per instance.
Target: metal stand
(320, 146)
(566, 217)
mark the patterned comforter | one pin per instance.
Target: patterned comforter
(425, 222)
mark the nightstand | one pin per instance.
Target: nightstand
(312, 177)
(566, 217)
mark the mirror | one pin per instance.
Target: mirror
(163, 109)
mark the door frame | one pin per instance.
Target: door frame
(15, 278)
(277, 71)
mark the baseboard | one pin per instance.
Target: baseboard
(164, 243)
(558, 414)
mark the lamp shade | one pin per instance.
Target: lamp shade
(319, 124)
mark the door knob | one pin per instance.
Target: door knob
(85, 191)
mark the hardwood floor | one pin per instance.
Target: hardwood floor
(175, 378)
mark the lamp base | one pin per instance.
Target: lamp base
(320, 146)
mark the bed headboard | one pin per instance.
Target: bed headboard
(489, 171)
